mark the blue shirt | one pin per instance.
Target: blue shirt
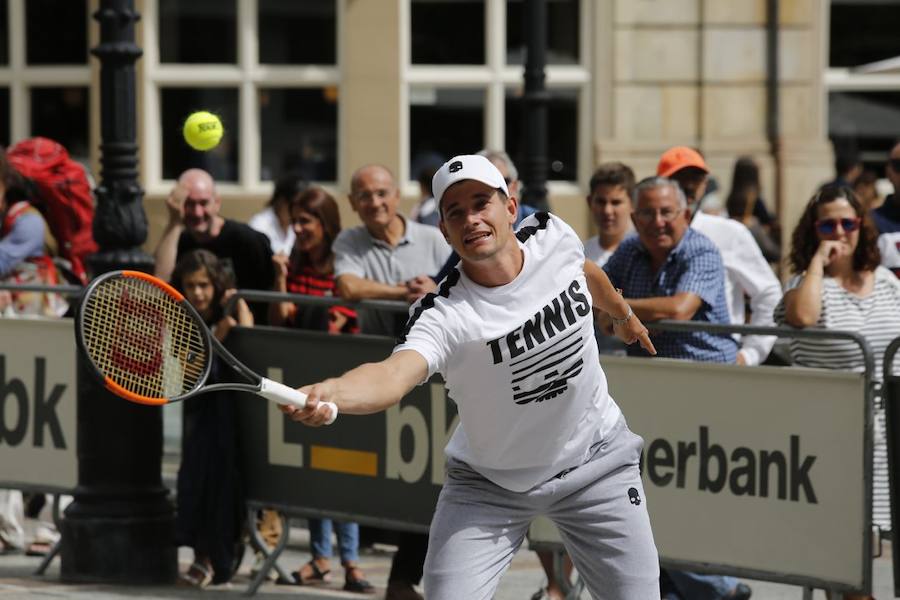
(25, 239)
(694, 266)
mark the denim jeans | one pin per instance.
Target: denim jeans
(347, 536)
(694, 586)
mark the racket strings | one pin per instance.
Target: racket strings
(143, 339)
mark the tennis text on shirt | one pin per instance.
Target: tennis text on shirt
(552, 320)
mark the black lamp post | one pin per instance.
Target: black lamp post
(534, 110)
(120, 526)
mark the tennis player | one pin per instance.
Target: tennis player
(511, 332)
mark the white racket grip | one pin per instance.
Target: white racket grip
(283, 394)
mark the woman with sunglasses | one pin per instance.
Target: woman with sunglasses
(840, 285)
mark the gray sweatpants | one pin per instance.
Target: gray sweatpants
(598, 507)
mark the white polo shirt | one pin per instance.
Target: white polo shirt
(520, 361)
(746, 273)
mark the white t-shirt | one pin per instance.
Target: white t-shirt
(593, 251)
(520, 361)
(266, 221)
(889, 245)
(746, 273)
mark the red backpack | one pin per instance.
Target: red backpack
(63, 195)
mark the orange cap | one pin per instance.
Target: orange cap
(678, 157)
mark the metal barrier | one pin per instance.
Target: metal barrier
(395, 459)
(69, 291)
(892, 421)
(392, 306)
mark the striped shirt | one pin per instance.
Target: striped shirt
(877, 318)
(305, 280)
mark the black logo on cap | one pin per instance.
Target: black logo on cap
(455, 166)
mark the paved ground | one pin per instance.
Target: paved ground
(523, 579)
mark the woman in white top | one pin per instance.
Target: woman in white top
(275, 220)
(840, 285)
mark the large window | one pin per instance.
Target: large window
(444, 122)
(268, 68)
(44, 73)
(864, 79)
(562, 117)
(447, 32)
(465, 91)
(57, 40)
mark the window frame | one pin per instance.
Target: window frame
(495, 76)
(248, 76)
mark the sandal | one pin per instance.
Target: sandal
(354, 583)
(198, 575)
(297, 578)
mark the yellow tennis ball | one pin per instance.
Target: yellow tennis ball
(203, 130)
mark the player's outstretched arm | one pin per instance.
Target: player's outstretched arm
(369, 388)
(605, 296)
(626, 325)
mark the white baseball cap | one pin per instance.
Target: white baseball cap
(467, 166)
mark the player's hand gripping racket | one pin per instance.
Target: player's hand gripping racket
(149, 345)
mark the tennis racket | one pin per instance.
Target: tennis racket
(148, 345)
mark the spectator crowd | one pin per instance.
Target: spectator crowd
(665, 239)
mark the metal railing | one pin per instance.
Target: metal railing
(392, 306)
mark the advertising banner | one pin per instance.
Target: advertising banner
(760, 471)
(37, 404)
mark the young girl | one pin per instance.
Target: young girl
(210, 506)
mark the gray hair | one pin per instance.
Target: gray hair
(501, 156)
(652, 183)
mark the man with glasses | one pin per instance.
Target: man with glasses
(747, 273)
(388, 257)
(671, 271)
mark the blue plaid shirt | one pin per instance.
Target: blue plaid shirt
(694, 266)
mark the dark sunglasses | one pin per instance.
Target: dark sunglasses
(829, 226)
(895, 164)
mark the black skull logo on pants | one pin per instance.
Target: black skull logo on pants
(634, 497)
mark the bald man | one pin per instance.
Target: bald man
(388, 257)
(194, 222)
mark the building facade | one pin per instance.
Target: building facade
(324, 86)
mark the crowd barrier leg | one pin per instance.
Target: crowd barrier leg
(259, 544)
(48, 558)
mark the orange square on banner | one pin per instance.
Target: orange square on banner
(353, 462)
